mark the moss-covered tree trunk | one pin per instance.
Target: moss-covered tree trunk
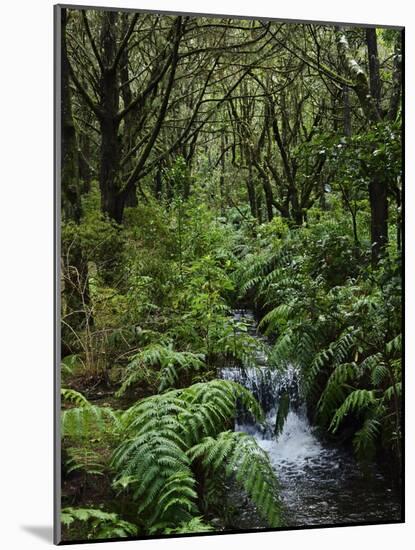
(378, 189)
(112, 201)
(71, 196)
(74, 264)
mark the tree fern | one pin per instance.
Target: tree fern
(253, 269)
(332, 356)
(153, 454)
(284, 347)
(341, 328)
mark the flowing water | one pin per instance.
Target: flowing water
(319, 484)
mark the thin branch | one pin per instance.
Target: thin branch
(92, 41)
(125, 41)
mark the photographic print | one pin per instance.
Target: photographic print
(229, 237)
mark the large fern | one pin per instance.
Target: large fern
(338, 327)
(161, 434)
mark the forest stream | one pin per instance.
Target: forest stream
(320, 484)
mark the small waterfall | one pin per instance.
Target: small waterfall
(320, 485)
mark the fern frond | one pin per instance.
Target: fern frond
(253, 269)
(284, 348)
(74, 397)
(357, 402)
(86, 419)
(195, 525)
(239, 455)
(86, 460)
(153, 459)
(343, 346)
(336, 389)
(169, 361)
(394, 345)
(101, 525)
(320, 361)
(393, 390)
(278, 315)
(364, 441)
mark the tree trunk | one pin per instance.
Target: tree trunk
(396, 79)
(347, 119)
(74, 265)
(378, 191)
(129, 119)
(158, 184)
(112, 201)
(374, 76)
(222, 174)
(71, 196)
(250, 186)
(251, 192)
(379, 218)
(268, 199)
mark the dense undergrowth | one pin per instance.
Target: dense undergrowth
(211, 164)
(161, 328)
(146, 411)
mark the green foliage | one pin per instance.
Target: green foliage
(74, 397)
(85, 460)
(231, 339)
(85, 420)
(195, 525)
(98, 238)
(164, 434)
(340, 323)
(171, 363)
(70, 366)
(376, 151)
(357, 401)
(242, 457)
(96, 524)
